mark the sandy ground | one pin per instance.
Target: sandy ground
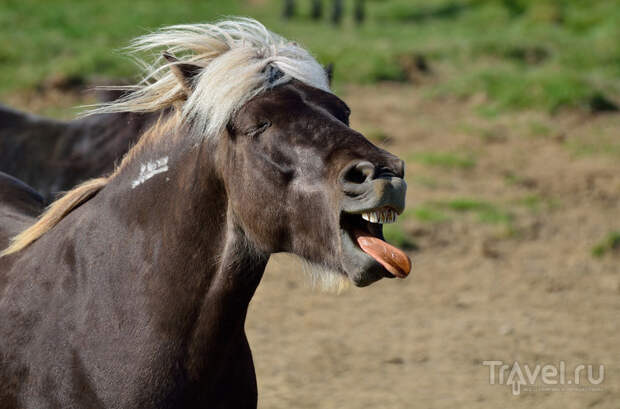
(527, 290)
(530, 292)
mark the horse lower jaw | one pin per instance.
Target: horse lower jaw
(361, 266)
(361, 269)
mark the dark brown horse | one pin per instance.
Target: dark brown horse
(19, 207)
(131, 291)
(54, 156)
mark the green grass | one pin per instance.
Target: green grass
(444, 160)
(539, 129)
(444, 210)
(550, 55)
(429, 214)
(608, 244)
(40, 38)
(521, 54)
(425, 213)
(487, 212)
(502, 214)
(533, 202)
(511, 87)
(608, 146)
(512, 178)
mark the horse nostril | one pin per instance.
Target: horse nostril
(359, 173)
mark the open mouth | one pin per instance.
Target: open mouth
(365, 230)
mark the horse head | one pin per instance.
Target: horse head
(299, 179)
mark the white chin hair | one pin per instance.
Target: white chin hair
(324, 278)
(320, 277)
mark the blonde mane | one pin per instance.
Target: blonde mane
(234, 55)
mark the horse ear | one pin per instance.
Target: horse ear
(273, 73)
(329, 71)
(183, 72)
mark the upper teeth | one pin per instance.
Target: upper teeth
(383, 215)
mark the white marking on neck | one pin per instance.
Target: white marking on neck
(149, 170)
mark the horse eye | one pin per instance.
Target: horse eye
(258, 129)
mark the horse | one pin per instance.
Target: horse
(19, 207)
(131, 290)
(53, 156)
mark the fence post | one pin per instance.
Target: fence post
(317, 9)
(337, 12)
(359, 14)
(289, 9)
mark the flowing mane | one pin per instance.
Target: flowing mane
(234, 57)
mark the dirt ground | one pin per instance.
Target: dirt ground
(531, 292)
(521, 286)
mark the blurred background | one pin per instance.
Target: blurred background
(506, 112)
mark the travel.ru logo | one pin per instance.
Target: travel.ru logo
(552, 377)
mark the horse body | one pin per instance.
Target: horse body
(132, 290)
(19, 207)
(132, 330)
(54, 156)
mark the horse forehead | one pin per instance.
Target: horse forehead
(318, 98)
(298, 98)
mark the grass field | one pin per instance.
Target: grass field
(507, 54)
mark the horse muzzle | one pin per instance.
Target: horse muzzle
(373, 193)
(371, 198)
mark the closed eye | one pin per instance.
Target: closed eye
(258, 129)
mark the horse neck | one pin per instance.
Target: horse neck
(202, 268)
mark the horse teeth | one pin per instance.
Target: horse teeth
(383, 216)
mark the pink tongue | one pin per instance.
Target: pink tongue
(390, 257)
